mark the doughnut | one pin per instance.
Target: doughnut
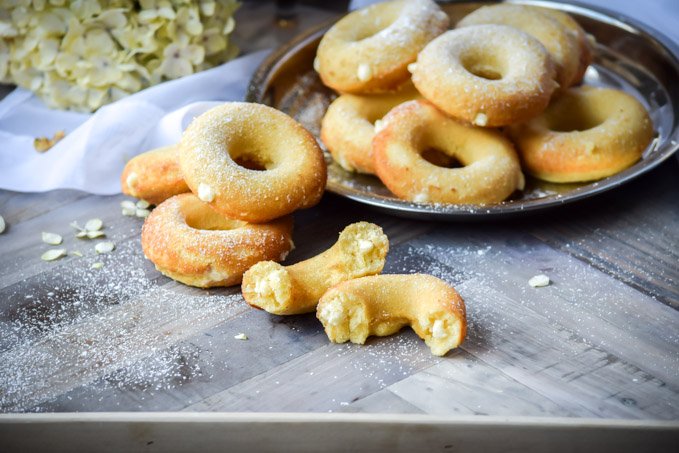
(382, 304)
(191, 243)
(154, 176)
(360, 250)
(252, 162)
(586, 134)
(585, 41)
(368, 51)
(488, 75)
(563, 46)
(348, 127)
(490, 169)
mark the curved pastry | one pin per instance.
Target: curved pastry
(191, 243)
(252, 162)
(586, 134)
(585, 41)
(490, 169)
(349, 125)
(360, 250)
(487, 75)
(368, 51)
(154, 176)
(562, 45)
(381, 305)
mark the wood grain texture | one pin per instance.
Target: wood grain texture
(128, 338)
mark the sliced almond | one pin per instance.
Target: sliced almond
(95, 234)
(104, 247)
(143, 204)
(94, 225)
(130, 212)
(53, 254)
(81, 234)
(2, 224)
(77, 253)
(241, 336)
(51, 238)
(97, 265)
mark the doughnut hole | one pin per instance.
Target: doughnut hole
(200, 216)
(576, 114)
(488, 168)
(371, 28)
(252, 155)
(249, 162)
(363, 247)
(440, 158)
(485, 63)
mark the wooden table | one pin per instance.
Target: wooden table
(601, 341)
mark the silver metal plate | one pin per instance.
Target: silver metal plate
(628, 56)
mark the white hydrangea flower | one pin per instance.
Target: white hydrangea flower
(82, 54)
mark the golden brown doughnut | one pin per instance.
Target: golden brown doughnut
(349, 124)
(154, 176)
(382, 304)
(585, 41)
(191, 243)
(368, 50)
(360, 250)
(490, 171)
(252, 162)
(487, 75)
(586, 133)
(563, 46)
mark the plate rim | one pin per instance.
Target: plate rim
(255, 93)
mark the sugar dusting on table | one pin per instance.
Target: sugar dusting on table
(118, 323)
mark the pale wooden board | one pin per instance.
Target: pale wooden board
(274, 432)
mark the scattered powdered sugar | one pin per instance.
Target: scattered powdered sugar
(99, 317)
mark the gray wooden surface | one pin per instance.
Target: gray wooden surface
(601, 341)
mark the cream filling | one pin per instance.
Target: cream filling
(364, 72)
(270, 286)
(205, 192)
(421, 198)
(481, 119)
(438, 329)
(365, 245)
(131, 180)
(332, 313)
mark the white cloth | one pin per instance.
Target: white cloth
(96, 147)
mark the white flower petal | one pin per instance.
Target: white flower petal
(51, 238)
(94, 225)
(104, 247)
(53, 254)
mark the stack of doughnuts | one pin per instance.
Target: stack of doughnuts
(493, 98)
(225, 193)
